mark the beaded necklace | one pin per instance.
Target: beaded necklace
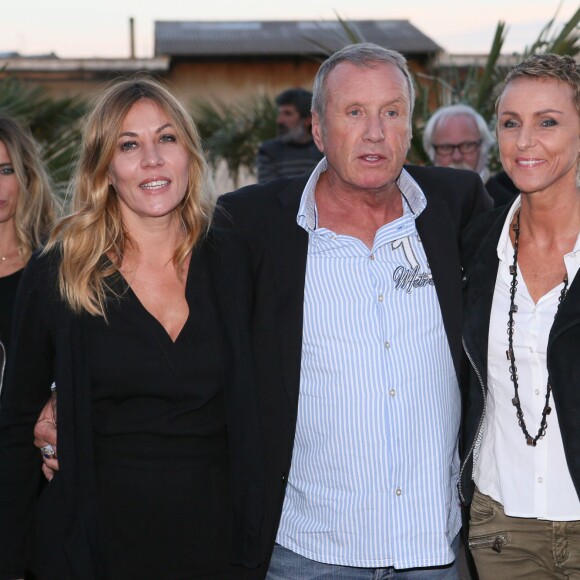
(532, 441)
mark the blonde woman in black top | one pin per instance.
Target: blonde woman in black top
(136, 312)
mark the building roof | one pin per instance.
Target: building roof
(283, 38)
(59, 65)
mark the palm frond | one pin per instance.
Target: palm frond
(488, 79)
(232, 133)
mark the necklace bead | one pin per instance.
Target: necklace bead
(531, 441)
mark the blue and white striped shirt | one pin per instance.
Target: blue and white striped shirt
(375, 461)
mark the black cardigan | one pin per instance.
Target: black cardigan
(50, 345)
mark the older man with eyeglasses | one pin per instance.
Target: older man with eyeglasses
(457, 136)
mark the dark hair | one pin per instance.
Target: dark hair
(300, 98)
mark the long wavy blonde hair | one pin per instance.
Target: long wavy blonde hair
(35, 210)
(93, 238)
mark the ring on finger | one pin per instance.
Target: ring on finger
(47, 451)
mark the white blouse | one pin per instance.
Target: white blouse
(530, 482)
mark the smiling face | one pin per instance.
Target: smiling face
(538, 132)
(9, 188)
(366, 131)
(149, 169)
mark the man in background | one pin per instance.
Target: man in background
(457, 136)
(293, 151)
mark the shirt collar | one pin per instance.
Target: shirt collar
(504, 245)
(572, 260)
(414, 200)
(307, 214)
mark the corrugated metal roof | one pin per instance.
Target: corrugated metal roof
(58, 65)
(283, 38)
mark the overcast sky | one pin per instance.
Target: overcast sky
(73, 28)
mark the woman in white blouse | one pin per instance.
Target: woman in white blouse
(521, 468)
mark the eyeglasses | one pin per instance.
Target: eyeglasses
(465, 147)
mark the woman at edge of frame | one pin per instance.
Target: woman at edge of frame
(521, 471)
(27, 212)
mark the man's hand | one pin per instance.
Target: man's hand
(45, 434)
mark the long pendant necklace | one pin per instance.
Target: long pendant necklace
(532, 441)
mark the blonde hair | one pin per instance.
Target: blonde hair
(545, 66)
(35, 210)
(93, 238)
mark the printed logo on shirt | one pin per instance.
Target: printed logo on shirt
(412, 277)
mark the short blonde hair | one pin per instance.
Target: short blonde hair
(35, 210)
(93, 237)
(545, 66)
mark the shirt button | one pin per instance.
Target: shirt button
(531, 349)
(372, 257)
(537, 391)
(392, 392)
(540, 480)
(387, 344)
(381, 297)
(398, 492)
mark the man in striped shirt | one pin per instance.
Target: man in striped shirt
(371, 490)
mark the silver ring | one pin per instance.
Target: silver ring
(47, 451)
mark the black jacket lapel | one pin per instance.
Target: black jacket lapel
(436, 230)
(288, 248)
(480, 278)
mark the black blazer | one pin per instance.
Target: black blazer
(266, 216)
(481, 263)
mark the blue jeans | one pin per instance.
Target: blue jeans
(287, 565)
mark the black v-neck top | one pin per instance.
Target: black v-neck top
(155, 399)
